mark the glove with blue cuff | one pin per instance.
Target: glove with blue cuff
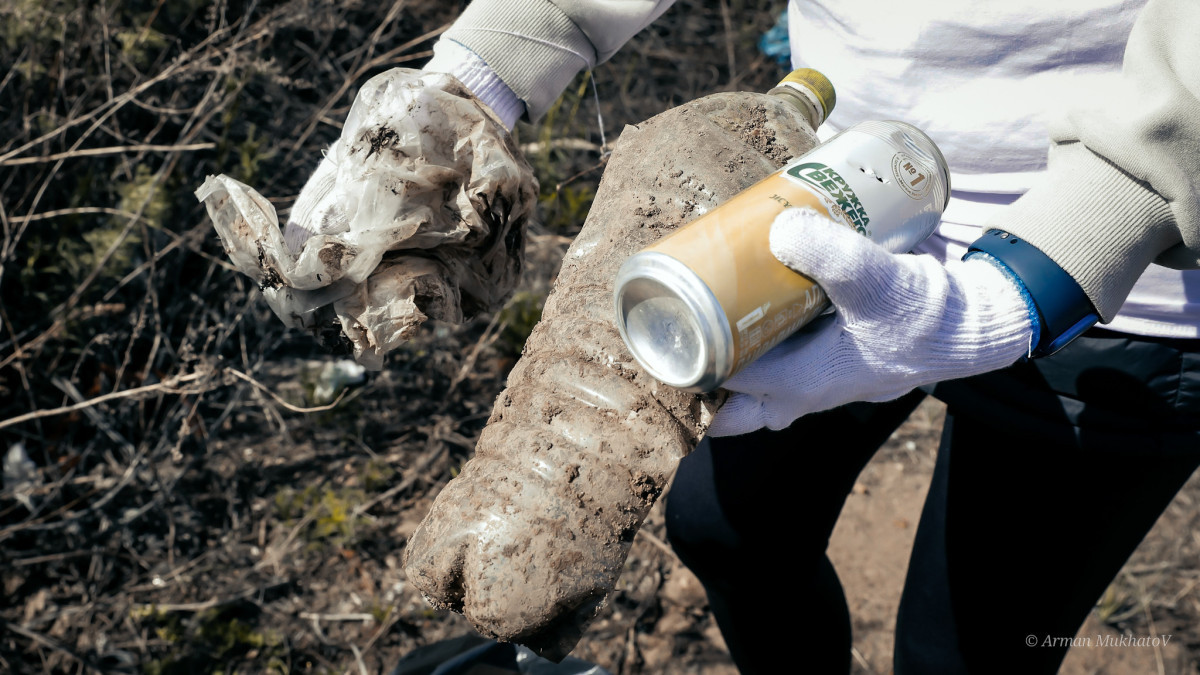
(900, 322)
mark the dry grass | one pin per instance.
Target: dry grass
(193, 507)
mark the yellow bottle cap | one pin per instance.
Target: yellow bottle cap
(813, 86)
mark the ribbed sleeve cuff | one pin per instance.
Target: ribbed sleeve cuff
(1099, 224)
(455, 59)
(536, 69)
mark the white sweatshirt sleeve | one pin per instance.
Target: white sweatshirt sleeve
(537, 46)
(1123, 185)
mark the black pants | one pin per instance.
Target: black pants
(1048, 476)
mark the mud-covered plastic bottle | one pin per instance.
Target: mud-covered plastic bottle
(530, 538)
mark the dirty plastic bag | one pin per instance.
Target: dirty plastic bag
(417, 211)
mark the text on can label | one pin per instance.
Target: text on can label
(912, 176)
(830, 182)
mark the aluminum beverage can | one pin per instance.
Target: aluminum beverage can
(708, 299)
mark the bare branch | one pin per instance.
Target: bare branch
(99, 152)
(170, 386)
(267, 390)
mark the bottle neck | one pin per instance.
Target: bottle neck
(805, 104)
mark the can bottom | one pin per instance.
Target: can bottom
(663, 333)
(671, 323)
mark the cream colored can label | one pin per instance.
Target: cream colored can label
(885, 180)
(763, 300)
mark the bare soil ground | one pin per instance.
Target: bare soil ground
(197, 503)
(1154, 594)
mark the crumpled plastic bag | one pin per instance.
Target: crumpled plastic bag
(21, 476)
(417, 211)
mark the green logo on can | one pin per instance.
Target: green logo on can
(831, 183)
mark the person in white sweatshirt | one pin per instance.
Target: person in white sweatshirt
(1072, 131)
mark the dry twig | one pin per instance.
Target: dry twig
(171, 386)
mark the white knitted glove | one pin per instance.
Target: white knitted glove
(900, 321)
(416, 212)
(321, 208)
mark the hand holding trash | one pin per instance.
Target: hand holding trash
(417, 211)
(900, 321)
